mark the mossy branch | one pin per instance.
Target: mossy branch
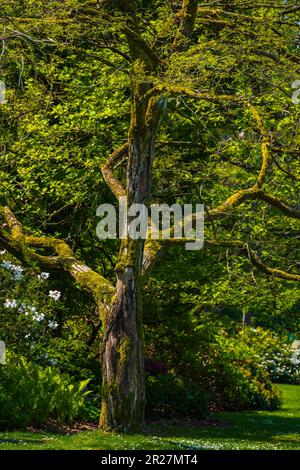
(265, 148)
(252, 194)
(63, 259)
(154, 249)
(137, 43)
(12, 223)
(255, 192)
(107, 170)
(245, 249)
(188, 15)
(274, 201)
(182, 90)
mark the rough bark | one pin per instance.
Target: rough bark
(120, 308)
(123, 393)
(122, 349)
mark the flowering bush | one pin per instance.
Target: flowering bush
(206, 365)
(232, 373)
(228, 371)
(41, 319)
(274, 354)
(26, 299)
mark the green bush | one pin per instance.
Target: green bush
(274, 354)
(91, 408)
(232, 373)
(30, 395)
(168, 396)
(229, 370)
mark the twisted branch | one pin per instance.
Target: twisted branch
(107, 170)
(64, 260)
(244, 249)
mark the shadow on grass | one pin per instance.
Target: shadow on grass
(21, 441)
(247, 426)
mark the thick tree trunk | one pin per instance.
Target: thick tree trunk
(123, 393)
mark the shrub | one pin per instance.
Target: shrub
(168, 396)
(230, 371)
(30, 395)
(274, 353)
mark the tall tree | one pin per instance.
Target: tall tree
(228, 69)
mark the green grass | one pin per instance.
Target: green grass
(243, 430)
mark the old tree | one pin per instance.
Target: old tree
(204, 89)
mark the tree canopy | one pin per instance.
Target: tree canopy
(163, 102)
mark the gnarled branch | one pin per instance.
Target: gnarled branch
(265, 148)
(64, 260)
(107, 170)
(244, 248)
(181, 90)
(188, 15)
(247, 251)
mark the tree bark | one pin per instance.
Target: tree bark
(123, 391)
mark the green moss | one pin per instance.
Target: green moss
(110, 388)
(123, 350)
(129, 255)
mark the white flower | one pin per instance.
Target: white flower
(22, 308)
(52, 324)
(43, 276)
(6, 264)
(38, 317)
(53, 362)
(10, 303)
(2, 252)
(18, 275)
(31, 308)
(54, 294)
(27, 336)
(294, 358)
(16, 270)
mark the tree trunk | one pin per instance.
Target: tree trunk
(123, 394)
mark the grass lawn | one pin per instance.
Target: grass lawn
(246, 430)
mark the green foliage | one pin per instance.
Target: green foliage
(168, 396)
(231, 372)
(274, 353)
(44, 330)
(245, 430)
(68, 84)
(91, 409)
(30, 395)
